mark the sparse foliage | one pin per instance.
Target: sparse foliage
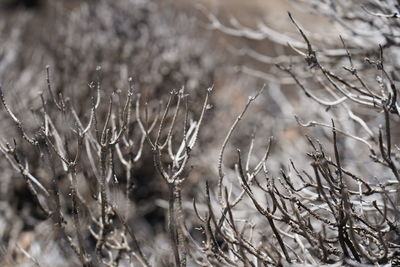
(337, 202)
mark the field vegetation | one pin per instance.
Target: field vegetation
(149, 133)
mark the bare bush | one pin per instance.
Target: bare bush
(336, 202)
(328, 214)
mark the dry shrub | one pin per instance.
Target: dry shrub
(331, 198)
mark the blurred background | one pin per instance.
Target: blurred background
(163, 45)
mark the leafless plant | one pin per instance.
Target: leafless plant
(329, 214)
(336, 203)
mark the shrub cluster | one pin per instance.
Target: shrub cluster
(81, 160)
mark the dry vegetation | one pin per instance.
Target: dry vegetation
(138, 146)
